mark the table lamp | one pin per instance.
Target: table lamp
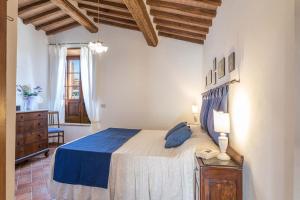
(222, 126)
(195, 112)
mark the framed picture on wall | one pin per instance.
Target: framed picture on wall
(221, 68)
(214, 77)
(231, 62)
(215, 64)
(205, 80)
(209, 77)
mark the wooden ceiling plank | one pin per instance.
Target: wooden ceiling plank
(181, 18)
(181, 26)
(62, 28)
(111, 13)
(131, 27)
(181, 38)
(208, 4)
(41, 15)
(139, 12)
(51, 22)
(206, 13)
(33, 6)
(180, 32)
(216, 3)
(116, 19)
(74, 11)
(103, 4)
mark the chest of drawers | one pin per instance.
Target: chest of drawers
(31, 134)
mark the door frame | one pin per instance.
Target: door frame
(3, 28)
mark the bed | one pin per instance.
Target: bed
(143, 169)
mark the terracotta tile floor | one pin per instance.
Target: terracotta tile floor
(31, 178)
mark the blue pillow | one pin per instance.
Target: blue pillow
(178, 126)
(178, 137)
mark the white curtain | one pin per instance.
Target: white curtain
(89, 87)
(57, 68)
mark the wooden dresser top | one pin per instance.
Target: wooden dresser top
(32, 111)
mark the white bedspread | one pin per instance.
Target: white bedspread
(142, 169)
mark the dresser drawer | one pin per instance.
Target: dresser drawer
(19, 152)
(35, 147)
(35, 136)
(20, 117)
(19, 139)
(36, 115)
(34, 125)
(19, 128)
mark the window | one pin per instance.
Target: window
(74, 103)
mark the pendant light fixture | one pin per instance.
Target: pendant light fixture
(98, 47)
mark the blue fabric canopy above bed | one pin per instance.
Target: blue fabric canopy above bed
(214, 99)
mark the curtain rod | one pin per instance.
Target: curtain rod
(226, 83)
(72, 43)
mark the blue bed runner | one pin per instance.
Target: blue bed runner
(87, 161)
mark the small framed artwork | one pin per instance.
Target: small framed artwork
(214, 77)
(209, 77)
(205, 80)
(231, 62)
(215, 64)
(221, 68)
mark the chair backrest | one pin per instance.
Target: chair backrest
(53, 118)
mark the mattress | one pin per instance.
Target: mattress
(142, 169)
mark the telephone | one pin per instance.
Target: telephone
(207, 153)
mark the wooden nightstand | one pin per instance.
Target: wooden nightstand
(218, 180)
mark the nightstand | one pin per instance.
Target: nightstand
(218, 180)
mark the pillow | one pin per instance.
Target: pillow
(178, 137)
(197, 131)
(181, 124)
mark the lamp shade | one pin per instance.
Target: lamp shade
(221, 122)
(195, 109)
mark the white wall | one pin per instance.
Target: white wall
(32, 62)
(12, 11)
(262, 35)
(141, 86)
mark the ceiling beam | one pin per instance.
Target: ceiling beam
(74, 11)
(181, 26)
(138, 10)
(110, 23)
(206, 13)
(181, 38)
(181, 18)
(51, 22)
(62, 28)
(180, 32)
(207, 4)
(216, 3)
(111, 13)
(103, 4)
(33, 6)
(41, 16)
(116, 19)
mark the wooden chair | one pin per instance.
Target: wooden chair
(54, 130)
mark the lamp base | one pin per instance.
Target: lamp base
(223, 156)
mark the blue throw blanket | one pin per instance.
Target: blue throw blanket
(87, 160)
